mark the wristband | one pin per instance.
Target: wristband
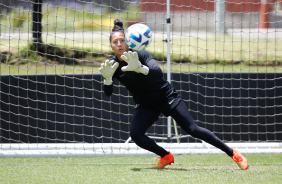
(143, 69)
(108, 81)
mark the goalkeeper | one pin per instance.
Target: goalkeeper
(140, 74)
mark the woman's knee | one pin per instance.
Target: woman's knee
(135, 135)
(192, 130)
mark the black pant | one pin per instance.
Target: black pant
(144, 117)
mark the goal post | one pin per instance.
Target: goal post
(51, 96)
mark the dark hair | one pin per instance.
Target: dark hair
(118, 27)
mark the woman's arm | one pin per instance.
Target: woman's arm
(149, 67)
(154, 69)
(108, 69)
(108, 89)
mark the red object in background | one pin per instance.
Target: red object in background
(200, 5)
(242, 5)
(262, 6)
(264, 15)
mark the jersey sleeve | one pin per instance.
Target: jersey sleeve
(154, 69)
(108, 89)
(147, 59)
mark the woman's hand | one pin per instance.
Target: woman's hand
(133, 62)
(108, 69)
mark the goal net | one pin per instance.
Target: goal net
(224, 58)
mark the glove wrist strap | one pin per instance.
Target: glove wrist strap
(108, 81)
(144, 70)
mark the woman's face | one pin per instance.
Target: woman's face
(118, 44)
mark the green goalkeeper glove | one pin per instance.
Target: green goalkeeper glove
(133, 63)
(108, 69)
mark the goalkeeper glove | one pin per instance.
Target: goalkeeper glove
(108, 69)
(133, 63)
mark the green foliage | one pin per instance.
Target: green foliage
(61, 19)
(18, 18)
(57, 54)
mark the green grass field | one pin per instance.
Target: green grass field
(264, 168)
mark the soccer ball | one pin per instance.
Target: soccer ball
(138, 36)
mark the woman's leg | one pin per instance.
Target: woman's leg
(182, 116)
(143, 118)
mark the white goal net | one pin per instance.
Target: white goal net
(224, 57)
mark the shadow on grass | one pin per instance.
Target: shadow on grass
(219, 168)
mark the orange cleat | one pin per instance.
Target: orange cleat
(240, 160)
(164, 161)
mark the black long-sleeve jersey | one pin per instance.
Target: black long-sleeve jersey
(151, 89)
